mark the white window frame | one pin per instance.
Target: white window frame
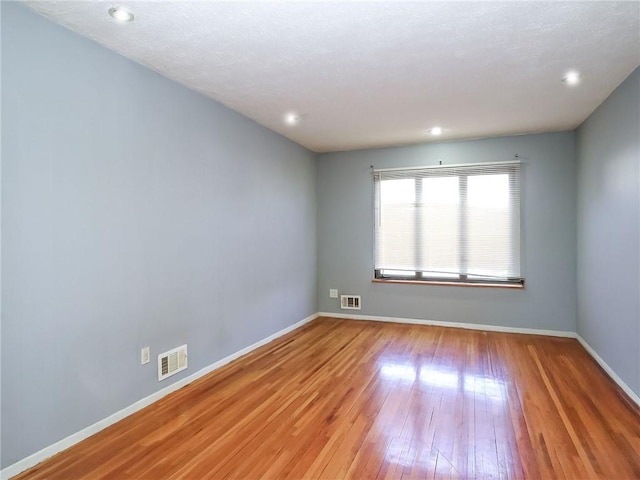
(462, 171)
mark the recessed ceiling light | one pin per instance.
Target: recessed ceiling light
(571, 78)
(121, 14)
(291, 119)
(435, 131)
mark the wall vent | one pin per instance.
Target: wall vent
(172, 362)
(350, 302)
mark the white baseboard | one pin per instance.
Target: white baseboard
(493, 328)
(468, 326)
(74, 438)
(626, 388)
(71, 440)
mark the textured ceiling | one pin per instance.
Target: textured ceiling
(368, 74)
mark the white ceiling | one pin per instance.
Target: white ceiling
(369, 74)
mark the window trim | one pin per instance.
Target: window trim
(463, 279)
(422, 278)
(442, 283)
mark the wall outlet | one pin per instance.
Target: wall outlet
(145, 355)
(333, 293)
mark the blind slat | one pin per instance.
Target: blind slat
(461, 220)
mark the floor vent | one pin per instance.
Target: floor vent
(172, 362)
(350, 302)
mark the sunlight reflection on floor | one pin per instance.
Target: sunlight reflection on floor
(413, 444)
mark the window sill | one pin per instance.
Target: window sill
(450, 284)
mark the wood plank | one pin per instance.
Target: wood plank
(367, 400)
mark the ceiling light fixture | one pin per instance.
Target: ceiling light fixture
(121, 14)
(435, 131)
(291, 119)
(571, 78)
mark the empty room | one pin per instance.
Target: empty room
(320, 240)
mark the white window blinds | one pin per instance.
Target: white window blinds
(451, 223)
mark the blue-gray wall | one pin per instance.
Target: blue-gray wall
(134, 212)
(345, 235)
(0, 238)
(608, 150)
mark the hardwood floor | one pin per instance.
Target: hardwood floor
(350, 399)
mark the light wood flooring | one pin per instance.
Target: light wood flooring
(350, 399)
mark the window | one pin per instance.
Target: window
(456, 224)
